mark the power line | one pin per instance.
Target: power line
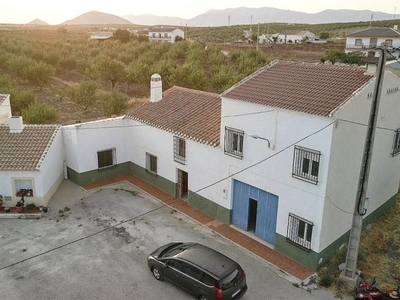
(167, 203)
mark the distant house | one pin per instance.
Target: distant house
(295, 36)
(267, 38)
(165, 34)
(31, 161)
(366, 40)
(100, 36)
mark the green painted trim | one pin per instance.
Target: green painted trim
(380, 210)
(315, 260)
(155, 180)
(210, 208)
(98, 175)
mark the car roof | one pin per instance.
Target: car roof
(208, 259)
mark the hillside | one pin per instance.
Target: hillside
(96, 17)
(245, 15)
(37, 22)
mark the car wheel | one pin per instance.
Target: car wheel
(156, 273)
(203, 298)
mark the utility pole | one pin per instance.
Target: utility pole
(229, 20)
(349, 272)
(258, 34)
(370, 22)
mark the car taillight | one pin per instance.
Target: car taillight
(218, 292)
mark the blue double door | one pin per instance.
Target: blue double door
(255, 210)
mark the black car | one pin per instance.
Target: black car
(201, 271)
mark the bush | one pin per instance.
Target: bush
(39, 113)
(30, 206)
(326, 280)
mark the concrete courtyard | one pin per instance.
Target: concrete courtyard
(94, 244)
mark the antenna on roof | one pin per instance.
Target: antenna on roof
(394, 14)
(370, 22)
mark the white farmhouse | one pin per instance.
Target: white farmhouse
(295, 36)
(293, 187)
(366, 40)
(31, 162)
(165, 34)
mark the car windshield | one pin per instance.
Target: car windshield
(175, 249)
(230, 280)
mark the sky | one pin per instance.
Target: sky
(56, 12)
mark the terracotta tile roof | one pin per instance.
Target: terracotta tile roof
(25, 151)
(185, 112)
(309, 88)
(376, 32)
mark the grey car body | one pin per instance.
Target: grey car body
(205, 273)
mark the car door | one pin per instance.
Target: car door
(194, 282)
(173, 272)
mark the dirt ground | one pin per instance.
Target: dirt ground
(69, 112)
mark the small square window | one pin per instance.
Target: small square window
(151, 163)
(306, 164)
(23, 187)
(299, 232)
(179, 150)
(234, 142)
(106, 158)
(358, 42)
(396, 143)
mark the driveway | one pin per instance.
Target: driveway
(94, 244)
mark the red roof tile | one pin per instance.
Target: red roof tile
(309, 88)
(191, 114)
(25, 151)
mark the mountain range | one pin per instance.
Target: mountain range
(234, 16)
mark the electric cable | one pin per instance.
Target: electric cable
(167, 203)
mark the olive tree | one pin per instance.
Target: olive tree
(84, 94)
(39, 113)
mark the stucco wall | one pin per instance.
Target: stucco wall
(283, 129)
(345, 163)
(83, 141)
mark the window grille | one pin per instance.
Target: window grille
(306, 164)
(151, 163)
(234, 142)
(396, 143)
(179, 150)
(299, 232)
(106, 158)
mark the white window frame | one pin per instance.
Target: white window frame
(24, 185)
(299, 231)
(306, 164)
(234, 142)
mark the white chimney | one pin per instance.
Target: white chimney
(395, 27)
(155, 88)
(16, 124)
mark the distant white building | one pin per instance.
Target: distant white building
(366, 40)
(295, 36)
(165, 34)
(103, 35)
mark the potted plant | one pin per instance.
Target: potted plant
(20, 205)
